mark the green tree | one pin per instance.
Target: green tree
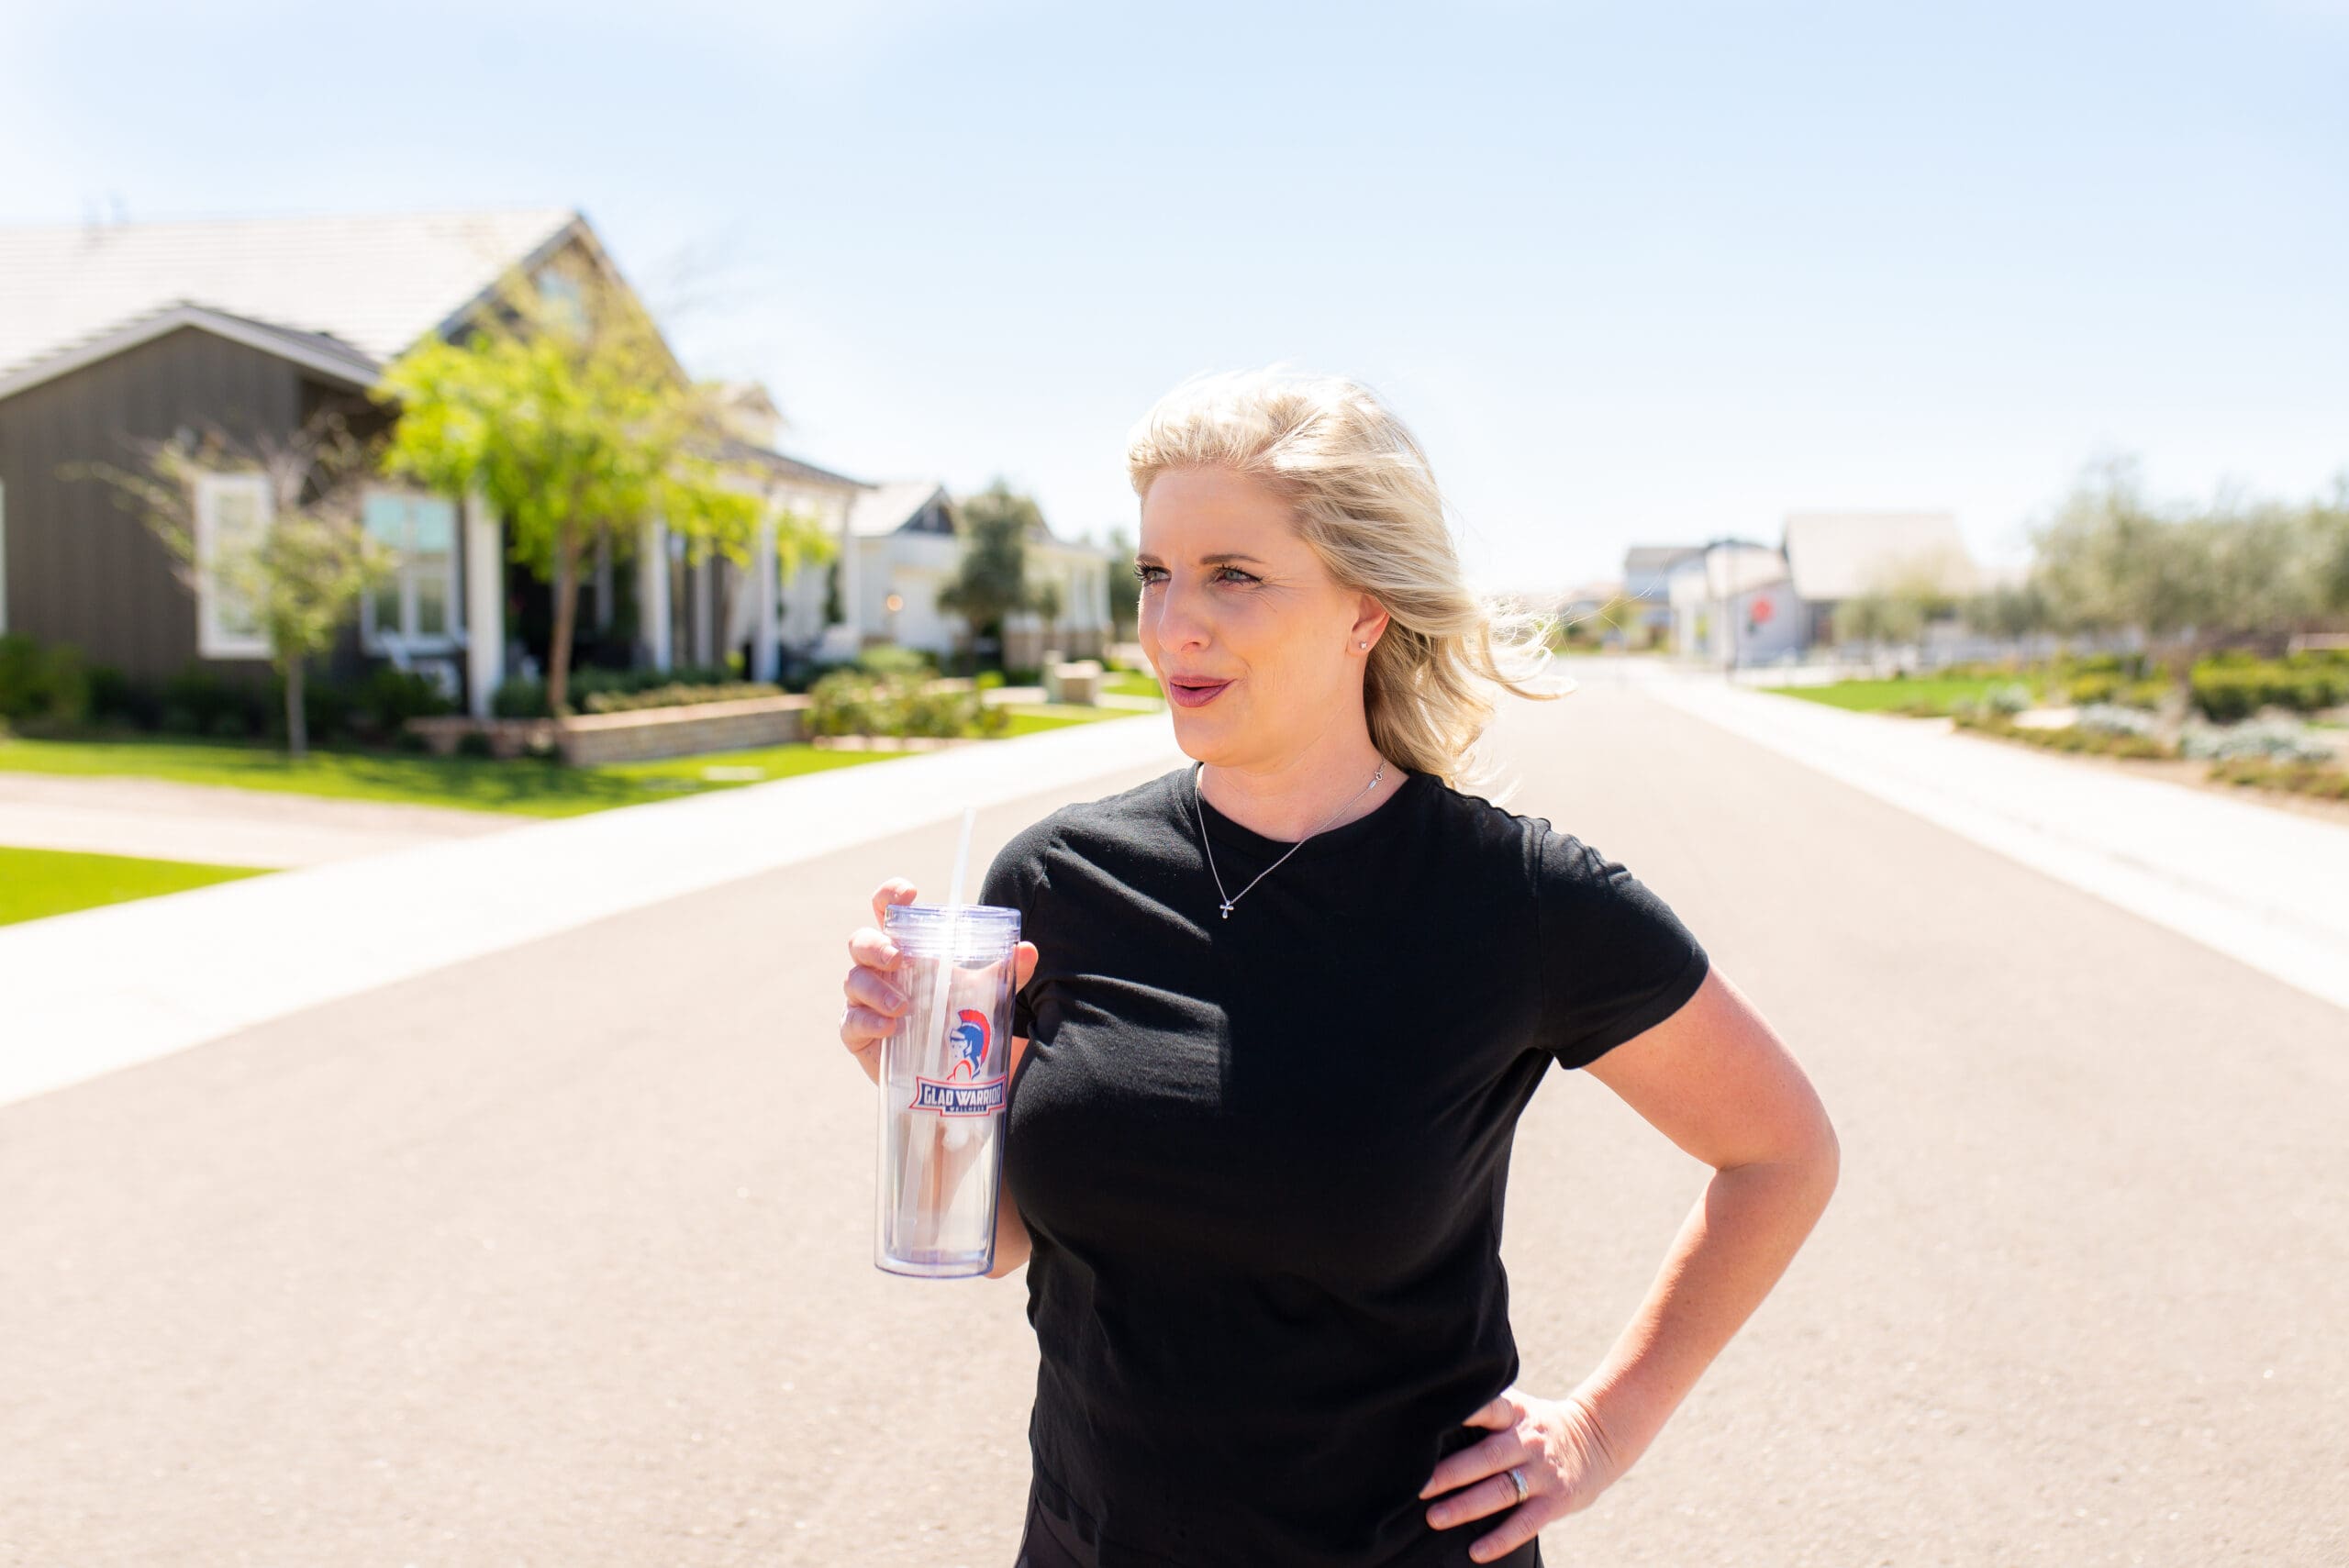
(991, 581)
(1046, 597)
(565, 408)
(297, 580)
(1125, 592)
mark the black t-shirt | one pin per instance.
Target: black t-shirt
(1262, 1158)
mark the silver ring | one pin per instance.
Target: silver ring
(1518, 1475)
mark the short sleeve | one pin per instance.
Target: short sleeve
(1615, 959)
(1010, 884)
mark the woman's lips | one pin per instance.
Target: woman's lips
(1194, 696)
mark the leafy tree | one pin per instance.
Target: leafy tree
(992, 580)
(2192, 578)
(1125, 593)
(298, 582)
(1046, 597)
(562, 406)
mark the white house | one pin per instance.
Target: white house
(1837, 556)
(904, 550)
(1733, 601)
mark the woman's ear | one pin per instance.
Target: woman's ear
(1370, 623)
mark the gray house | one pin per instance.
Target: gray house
(135, 330)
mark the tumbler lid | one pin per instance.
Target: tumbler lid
(978, 928)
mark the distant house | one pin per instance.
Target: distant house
(907, 550)
(1647, 577)
(1733, 601)
(1835, 557)
(137, 330)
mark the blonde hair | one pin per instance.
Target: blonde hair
(1363, 496)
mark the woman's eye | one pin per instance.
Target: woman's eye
(1143, 574)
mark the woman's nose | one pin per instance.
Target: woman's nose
(1182, 618)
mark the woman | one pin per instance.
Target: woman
(1281, 1011)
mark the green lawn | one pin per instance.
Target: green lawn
(35, 883)
(527, 788)
(1876, 696)
(1026, 719)
(1131, 683)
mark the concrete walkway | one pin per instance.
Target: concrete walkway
(217, 825)
(102, 988)
(2266, 887)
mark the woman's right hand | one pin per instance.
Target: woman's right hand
(875, 999)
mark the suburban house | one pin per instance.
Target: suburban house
(1647, 576)
(135, 330)
(1740, 602)
(1733, 603)
(1838, 556)
(906, 551)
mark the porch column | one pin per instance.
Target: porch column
(763, 584)
(652, 593)
(851, 586)
(485, 604)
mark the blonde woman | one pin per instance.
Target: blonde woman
(1280, 1013)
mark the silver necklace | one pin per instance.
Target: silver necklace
(1231, 898)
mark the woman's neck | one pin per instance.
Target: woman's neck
(1293, 798)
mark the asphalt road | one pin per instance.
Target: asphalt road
(562, 1256)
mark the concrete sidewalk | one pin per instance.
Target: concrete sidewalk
(103, 988)
(2266, 887)
(217, 825)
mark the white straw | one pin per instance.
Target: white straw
(929, 1141)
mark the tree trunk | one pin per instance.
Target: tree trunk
(297, 731)
(566, 612)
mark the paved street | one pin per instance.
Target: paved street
(561, 1255)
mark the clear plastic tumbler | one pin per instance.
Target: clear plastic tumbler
(945, 1078)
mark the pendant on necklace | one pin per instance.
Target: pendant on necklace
(1227, 911)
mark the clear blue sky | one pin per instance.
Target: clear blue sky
(1636, 273)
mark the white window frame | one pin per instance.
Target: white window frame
(214, 641)
(399, 643)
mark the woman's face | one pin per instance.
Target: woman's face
(1230, 595)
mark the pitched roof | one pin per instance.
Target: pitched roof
(376, 283)
(888, 507)
(1843, 555)
(735, 449)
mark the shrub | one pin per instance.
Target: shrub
(2112, 719)
(198, 701)
(42, 684)
(679, 696)
(2231, 686)
(391, 698)
(474, 743)
(888, 659)
(855, 702)
(987, 681)
(2012, 697)
(518, 696)
(2298, 778)
(2278, 740)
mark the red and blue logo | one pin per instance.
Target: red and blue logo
(966, 1054)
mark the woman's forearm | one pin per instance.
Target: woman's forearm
(1738, 1239)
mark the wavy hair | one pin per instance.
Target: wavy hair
(1362, 494)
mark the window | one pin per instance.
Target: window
(414, 608)
(232, 513)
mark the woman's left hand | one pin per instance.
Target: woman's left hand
(1557, 1444)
